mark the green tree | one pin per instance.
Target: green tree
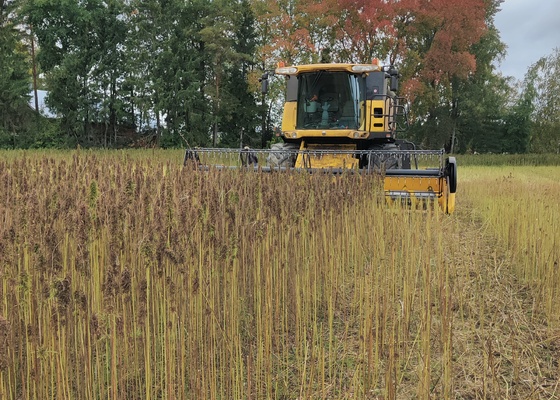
(542, 90)
(81, 54)
(240, 118)
(15, 81)
(518, 124)
(190, 66)
(483, 100)
(165, 73)
(110, 105)
(187, 102)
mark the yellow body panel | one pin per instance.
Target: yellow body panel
(289, 117)
(379, 121)
(327, 160)
(325, 133)
(450, 203)
(419, 190)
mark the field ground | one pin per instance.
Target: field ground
(507, 342)
(123, 277)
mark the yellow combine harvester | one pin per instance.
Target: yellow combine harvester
(345, 118)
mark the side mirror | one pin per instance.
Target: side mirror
(394, 74)
(394, 83)
(264, 83)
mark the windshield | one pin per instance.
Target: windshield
(329, 100)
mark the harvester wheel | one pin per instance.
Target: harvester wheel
(452, 174)
(283, 159)
(384, 162)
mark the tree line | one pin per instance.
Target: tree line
(185, 72)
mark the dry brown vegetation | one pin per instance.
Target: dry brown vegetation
(125, 276)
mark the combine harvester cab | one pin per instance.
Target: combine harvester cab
(345, 118)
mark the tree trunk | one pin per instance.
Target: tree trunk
(34, 69)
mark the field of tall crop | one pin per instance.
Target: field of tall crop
(124, 275)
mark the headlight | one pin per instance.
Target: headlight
(286, 71)
(366, 68)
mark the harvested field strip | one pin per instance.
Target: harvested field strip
(502, 345)
(506, 339)
(520, 206)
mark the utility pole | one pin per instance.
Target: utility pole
(452, 140)
(263, 128)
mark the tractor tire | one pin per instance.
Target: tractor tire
(451, 168)
(384, 162)
(280, 159)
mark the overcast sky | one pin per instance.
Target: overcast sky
(530, 29)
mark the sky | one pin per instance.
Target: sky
(530, 29)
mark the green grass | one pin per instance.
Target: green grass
(496, 160)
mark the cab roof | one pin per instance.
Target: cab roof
(350, 68)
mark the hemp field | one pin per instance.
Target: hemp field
(125, 276)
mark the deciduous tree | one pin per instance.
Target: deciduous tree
(542, 91)
(81, 54)
(15, 81)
